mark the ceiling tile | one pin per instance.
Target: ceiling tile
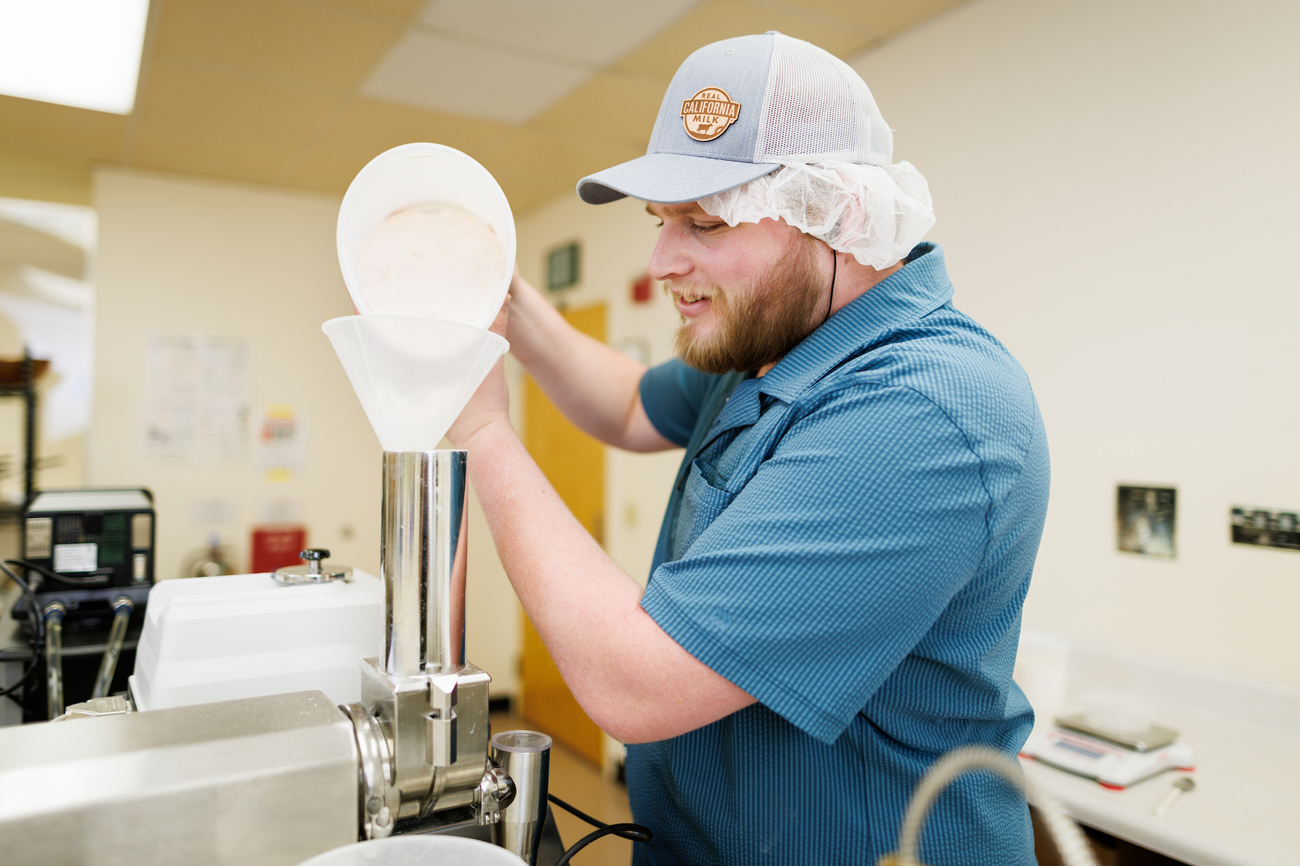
(716, 20)
(325, 170)
(167, 146)
(202, 96)
(608, 106)
(368, 127)
(398, 10)
(59, 130)
(432, 72)
(65, 179)
(575, 30)
(265, 90)
(534, 166)
(878, 17)
(315, 45)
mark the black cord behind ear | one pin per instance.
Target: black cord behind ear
(830, 302)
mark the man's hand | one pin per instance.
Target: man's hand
(490, 404)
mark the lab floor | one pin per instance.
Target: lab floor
(575, 780)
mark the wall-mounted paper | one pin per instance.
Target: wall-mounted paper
(280, 442)
(196, 397)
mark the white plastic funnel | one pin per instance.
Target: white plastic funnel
(413, 375)
(416, 174)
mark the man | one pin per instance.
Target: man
(835, 599)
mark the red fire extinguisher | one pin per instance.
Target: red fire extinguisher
(277, 545)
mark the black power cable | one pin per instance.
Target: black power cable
(37, 632)
(634, 832)
(96, 580)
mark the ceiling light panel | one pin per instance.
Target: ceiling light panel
(83, 53)
(429, 71)
(594, 34)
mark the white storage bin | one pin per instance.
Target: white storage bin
(240, 636)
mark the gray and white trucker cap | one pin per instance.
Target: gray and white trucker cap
(741, 108)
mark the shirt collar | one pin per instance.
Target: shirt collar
(919, 288)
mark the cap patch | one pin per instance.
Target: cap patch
(708, 113)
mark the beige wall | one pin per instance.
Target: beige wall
(616, 241)
(182, 257)
(179, 256)
(1115, 184)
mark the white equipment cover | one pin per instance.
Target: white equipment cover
(212, 639)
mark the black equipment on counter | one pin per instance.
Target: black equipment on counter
(86, 548)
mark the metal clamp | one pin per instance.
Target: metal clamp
(313, 572)
(442, 720)
(379, 799)
(111, 706)
(495, 792)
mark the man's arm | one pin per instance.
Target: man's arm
(596, 387)
(631, 678)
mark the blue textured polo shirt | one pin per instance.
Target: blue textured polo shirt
(850, 541)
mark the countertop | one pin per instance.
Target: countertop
(1245, 736)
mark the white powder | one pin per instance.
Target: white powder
(432, 260)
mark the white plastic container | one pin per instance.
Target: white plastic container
(212, 639)
(415, 174)
(417, 851)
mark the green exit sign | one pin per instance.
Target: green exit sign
(562, 267)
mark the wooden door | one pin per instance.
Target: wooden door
(575, 464)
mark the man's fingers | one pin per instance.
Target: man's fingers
(502, 319)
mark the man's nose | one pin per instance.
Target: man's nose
(668, 260)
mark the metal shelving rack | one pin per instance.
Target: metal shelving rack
(25, 387)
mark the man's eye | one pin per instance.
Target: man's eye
(708, 227)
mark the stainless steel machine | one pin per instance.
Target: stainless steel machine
(279, 774)
(279, 778)
(262, 769)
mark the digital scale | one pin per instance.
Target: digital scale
(1114, 759)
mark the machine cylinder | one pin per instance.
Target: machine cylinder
(422, 561)
(122, 610)
(526, 757)
(54, 613)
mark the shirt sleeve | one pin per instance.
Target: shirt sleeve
(673, 394)
(820, 574)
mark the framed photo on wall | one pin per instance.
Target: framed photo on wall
(1144, 518)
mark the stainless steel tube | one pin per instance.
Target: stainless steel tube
(54, 659)
(422, 561)
(122, 610)
(526, 757)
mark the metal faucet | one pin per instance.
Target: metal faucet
(1070, 842)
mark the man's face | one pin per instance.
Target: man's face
(747, 294)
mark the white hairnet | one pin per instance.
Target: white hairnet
(876, 213)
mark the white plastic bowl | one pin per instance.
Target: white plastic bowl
(417, 851)
(416, 174)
